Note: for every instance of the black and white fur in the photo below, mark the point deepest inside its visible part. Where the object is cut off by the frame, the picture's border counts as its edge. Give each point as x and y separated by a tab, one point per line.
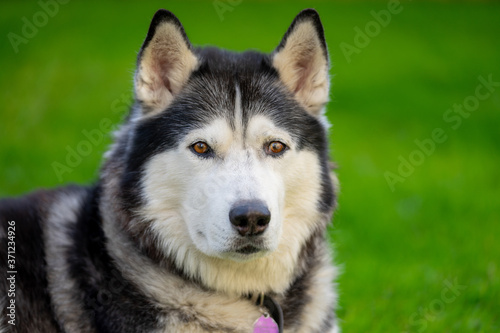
150	247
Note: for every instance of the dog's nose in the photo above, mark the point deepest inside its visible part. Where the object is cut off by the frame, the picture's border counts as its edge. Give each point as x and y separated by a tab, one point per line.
250	218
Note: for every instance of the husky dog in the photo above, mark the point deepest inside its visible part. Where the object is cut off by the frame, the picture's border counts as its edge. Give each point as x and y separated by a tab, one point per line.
211	209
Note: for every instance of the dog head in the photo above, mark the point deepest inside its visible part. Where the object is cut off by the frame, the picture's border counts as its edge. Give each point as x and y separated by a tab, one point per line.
226	154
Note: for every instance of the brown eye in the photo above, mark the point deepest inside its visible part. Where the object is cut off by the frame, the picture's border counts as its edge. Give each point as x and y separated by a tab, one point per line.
200	148
275	147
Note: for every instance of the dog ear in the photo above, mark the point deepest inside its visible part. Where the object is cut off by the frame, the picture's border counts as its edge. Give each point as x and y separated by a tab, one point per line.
164	64
301	60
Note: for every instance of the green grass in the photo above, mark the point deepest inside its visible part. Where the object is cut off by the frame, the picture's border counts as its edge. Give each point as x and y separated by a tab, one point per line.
397	247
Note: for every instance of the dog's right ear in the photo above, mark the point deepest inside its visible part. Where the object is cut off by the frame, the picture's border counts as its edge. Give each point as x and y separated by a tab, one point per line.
164	64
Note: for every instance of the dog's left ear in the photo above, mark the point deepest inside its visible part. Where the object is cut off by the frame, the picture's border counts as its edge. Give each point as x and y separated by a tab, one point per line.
164	64
301	60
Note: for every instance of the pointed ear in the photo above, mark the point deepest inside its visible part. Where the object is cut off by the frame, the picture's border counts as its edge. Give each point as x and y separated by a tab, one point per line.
164	64
301	60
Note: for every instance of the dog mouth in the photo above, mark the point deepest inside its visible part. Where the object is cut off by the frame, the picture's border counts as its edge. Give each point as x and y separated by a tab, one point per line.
249	249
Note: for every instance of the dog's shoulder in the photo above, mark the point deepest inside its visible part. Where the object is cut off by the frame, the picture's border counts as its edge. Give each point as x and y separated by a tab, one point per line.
29	212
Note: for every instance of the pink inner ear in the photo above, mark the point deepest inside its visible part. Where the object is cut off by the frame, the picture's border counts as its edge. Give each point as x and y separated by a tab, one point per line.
162	69
164	75
303	72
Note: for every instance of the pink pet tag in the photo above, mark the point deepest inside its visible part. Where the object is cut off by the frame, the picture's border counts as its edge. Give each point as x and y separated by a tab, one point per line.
265	324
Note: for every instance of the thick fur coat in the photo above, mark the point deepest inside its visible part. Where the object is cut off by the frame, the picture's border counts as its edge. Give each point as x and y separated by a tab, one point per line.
217	189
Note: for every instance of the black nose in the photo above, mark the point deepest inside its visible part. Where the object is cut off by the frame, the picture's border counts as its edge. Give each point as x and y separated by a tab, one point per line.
250	218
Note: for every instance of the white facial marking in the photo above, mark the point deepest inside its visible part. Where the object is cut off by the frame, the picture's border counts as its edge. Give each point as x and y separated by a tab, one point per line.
238	112
189	197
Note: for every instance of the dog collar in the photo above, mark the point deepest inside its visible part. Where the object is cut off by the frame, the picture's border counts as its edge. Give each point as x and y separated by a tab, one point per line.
272	315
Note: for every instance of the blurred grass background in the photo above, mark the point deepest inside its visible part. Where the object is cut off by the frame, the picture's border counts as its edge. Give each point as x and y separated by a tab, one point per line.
398	246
